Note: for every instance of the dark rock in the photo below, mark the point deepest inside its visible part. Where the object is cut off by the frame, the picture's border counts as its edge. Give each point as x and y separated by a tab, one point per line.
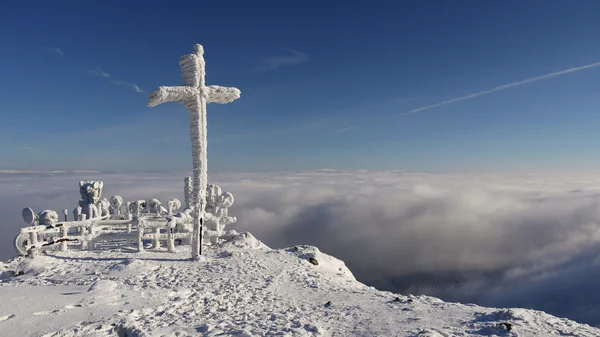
505	325
397	299
328	304
313	261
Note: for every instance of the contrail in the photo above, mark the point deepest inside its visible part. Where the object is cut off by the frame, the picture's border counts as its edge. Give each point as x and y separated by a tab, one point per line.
503	87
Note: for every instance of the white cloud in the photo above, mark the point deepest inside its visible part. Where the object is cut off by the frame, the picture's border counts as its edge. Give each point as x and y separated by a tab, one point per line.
275	62
515	240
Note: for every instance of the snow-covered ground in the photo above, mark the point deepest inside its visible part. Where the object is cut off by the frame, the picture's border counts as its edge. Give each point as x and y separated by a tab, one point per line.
242	288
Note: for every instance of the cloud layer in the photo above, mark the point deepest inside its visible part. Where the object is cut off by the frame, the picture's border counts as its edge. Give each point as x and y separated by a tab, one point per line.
499	240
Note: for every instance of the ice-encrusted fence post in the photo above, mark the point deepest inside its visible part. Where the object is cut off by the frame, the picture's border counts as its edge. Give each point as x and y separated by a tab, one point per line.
170	240
136	211
194	95
64	237
173	205
33	239
140	239
156	242
129	215
77	213
115	203
83	230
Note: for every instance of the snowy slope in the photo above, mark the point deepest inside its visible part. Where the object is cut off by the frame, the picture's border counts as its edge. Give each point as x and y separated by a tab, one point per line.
240	289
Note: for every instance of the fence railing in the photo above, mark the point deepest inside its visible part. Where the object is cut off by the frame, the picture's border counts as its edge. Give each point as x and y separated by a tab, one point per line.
100	222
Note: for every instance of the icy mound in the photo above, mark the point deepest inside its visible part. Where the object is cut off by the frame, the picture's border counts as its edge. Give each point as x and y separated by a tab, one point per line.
245	240
103	286
242	288
34	266
130	267
321	261
5	271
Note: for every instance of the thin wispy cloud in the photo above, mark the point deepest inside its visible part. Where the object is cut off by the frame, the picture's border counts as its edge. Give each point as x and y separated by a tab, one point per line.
348	128
136	88
504	87
54	50
275	62
133	86
98	72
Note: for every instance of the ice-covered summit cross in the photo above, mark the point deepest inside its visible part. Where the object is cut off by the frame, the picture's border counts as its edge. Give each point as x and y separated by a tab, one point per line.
194	94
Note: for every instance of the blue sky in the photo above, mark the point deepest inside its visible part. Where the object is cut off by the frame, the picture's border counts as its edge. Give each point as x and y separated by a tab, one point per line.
324	85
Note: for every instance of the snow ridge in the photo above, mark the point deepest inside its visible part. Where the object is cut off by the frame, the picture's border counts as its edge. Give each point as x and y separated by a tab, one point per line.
240	288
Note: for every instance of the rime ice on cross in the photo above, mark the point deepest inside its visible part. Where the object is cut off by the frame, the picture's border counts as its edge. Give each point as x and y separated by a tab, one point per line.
194	94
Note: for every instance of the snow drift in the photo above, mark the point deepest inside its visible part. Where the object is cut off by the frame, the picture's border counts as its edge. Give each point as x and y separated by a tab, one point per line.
242	288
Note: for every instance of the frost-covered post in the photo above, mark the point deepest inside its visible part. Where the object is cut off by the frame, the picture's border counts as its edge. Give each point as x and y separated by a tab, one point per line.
33	238
77	213
194	95
140	238
136	208
173	205
64	235
170	240
115	203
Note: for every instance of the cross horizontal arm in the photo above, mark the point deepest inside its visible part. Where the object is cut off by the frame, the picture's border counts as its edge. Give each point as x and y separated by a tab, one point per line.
222	95
171	94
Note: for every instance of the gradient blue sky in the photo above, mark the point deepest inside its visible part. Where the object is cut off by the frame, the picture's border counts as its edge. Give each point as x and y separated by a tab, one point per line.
324	84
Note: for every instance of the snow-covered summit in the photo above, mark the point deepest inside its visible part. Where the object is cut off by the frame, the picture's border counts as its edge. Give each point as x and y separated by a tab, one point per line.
241	288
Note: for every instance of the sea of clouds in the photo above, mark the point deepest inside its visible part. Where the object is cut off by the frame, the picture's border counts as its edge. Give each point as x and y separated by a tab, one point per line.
508	240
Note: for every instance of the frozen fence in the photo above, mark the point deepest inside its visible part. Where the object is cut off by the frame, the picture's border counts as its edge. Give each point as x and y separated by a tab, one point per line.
101	224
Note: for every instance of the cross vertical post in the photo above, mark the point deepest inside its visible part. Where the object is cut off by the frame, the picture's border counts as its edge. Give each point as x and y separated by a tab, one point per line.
194	95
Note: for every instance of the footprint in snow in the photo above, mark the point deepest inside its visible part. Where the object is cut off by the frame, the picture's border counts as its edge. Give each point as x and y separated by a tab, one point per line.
40	313
6	317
